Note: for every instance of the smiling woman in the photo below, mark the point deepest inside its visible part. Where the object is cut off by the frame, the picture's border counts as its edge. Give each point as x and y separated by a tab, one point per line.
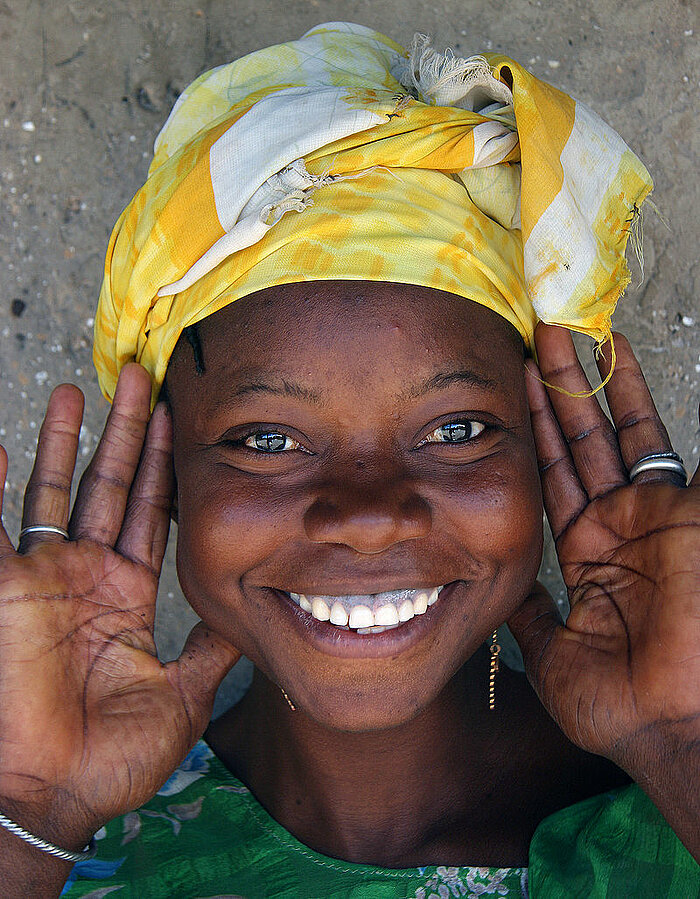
367	499
353	436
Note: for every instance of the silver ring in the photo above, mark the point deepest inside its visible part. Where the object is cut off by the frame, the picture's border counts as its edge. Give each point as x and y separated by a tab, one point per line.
659	462
44	529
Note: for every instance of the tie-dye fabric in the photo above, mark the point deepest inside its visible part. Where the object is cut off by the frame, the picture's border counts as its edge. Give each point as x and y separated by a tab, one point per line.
342	156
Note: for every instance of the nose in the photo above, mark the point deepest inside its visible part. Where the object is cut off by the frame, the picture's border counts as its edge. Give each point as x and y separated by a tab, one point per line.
369	515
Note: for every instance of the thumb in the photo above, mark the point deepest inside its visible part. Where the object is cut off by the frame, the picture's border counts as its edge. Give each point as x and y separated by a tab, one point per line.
534	625
205	660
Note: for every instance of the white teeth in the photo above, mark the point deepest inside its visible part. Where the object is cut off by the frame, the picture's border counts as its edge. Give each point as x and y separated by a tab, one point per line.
361	616
369	614
320	610
302	601
386	615
338	614
420	602
406	610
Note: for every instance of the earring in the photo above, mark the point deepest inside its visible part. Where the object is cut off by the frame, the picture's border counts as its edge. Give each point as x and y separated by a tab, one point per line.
289	701
494	649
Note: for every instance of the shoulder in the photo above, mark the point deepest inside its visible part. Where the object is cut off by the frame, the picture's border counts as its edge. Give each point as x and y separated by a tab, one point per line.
614	844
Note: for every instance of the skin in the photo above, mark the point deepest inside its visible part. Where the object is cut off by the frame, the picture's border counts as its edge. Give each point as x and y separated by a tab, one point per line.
366	505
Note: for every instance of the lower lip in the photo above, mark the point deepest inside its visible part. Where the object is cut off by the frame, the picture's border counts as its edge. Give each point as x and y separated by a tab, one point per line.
348	644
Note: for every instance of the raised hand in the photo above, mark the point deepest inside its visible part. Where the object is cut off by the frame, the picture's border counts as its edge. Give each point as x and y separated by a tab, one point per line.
622	676
91	723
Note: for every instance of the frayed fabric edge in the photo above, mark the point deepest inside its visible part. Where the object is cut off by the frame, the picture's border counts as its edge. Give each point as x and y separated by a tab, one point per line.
449	80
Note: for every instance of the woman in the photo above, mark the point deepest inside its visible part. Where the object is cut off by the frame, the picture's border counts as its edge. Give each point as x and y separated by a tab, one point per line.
356	444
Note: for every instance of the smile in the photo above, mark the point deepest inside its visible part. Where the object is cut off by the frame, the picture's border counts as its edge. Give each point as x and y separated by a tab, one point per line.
370	613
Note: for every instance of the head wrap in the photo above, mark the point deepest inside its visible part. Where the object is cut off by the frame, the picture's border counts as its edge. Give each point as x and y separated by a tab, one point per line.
342	156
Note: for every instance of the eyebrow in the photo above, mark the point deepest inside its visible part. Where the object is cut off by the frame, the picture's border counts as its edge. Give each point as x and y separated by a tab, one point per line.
283	388
446	379
296	391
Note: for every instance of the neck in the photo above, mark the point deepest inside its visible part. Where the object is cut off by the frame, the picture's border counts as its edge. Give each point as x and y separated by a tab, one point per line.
456	785
396	797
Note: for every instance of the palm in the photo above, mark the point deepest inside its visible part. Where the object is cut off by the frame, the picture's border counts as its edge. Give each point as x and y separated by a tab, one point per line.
87	712
626	661
628	658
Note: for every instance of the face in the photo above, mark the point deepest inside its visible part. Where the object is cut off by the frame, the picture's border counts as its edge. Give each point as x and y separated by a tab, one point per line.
349	448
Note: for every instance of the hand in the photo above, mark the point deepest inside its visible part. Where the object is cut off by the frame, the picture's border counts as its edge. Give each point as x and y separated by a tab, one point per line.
91	723
622	676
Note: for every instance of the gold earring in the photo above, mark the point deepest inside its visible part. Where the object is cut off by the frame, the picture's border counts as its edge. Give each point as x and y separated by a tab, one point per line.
494	649
289	701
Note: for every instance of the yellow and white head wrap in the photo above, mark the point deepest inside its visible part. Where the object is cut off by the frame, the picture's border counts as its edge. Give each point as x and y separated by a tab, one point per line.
342	156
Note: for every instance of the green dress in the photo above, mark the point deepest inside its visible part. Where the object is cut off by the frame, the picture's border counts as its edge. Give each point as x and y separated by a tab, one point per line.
204	835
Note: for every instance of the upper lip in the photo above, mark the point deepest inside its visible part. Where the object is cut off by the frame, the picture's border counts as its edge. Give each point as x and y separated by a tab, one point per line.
363	590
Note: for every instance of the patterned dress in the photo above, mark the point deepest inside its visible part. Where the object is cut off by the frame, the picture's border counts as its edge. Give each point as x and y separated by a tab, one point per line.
205	836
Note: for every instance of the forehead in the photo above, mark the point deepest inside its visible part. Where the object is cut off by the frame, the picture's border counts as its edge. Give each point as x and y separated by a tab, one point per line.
330	332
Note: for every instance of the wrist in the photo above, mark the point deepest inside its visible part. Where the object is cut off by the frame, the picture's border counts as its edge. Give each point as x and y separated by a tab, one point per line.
664	761
26	871
50	821
45	845
664	750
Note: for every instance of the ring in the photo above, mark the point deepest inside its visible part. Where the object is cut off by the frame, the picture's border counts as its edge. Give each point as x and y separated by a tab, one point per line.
659	462
44	529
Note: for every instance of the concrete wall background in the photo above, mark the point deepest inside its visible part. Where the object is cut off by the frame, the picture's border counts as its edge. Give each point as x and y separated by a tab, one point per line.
85	86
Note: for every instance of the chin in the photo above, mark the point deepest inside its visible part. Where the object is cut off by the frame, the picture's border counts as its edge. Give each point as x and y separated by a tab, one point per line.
368	709
370	695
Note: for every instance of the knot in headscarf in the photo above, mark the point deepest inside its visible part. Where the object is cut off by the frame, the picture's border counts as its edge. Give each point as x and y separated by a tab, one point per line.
342	156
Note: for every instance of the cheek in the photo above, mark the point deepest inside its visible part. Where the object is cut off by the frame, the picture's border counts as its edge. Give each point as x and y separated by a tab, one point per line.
522	540
232	517
496	514
228	526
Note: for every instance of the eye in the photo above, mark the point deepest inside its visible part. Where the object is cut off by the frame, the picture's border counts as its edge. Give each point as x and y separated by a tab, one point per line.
271	442
454	432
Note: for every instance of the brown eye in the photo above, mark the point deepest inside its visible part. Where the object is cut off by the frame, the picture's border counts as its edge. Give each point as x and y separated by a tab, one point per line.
454	432
271	442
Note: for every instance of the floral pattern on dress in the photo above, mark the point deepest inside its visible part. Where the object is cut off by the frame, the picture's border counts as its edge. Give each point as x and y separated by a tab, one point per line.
176	814
470	883
193	766
93	869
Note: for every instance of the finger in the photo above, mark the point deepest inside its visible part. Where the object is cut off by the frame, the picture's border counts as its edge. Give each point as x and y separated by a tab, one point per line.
6	547
204	662
586	428
534	625
144	535
104	488
640	431
564	497
47	497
